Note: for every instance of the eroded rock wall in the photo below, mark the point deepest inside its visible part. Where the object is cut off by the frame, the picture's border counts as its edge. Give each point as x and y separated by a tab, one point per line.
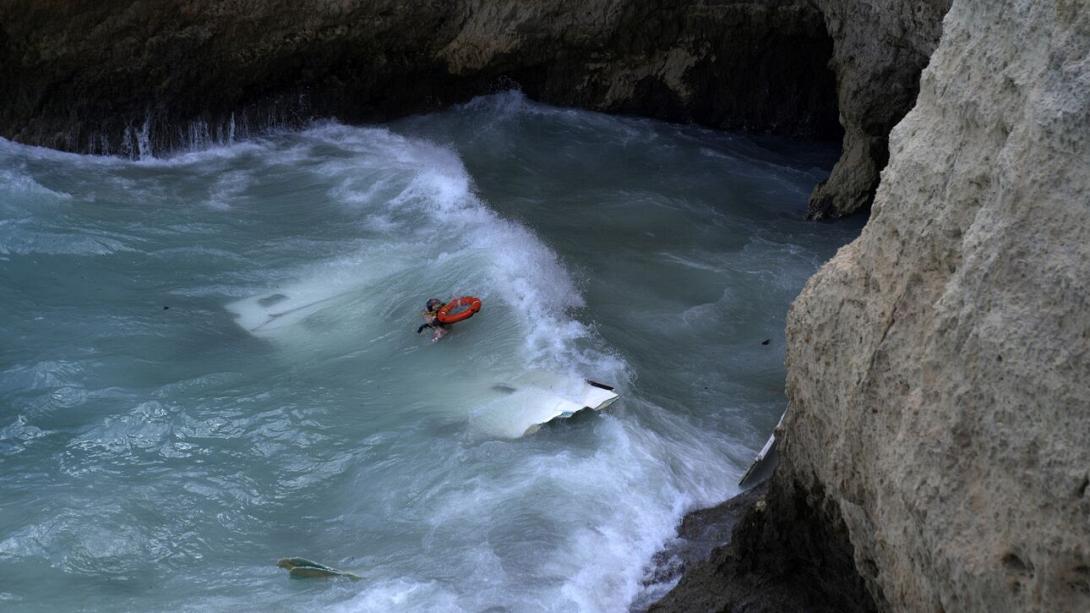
939	366
127	76
880	50
789	551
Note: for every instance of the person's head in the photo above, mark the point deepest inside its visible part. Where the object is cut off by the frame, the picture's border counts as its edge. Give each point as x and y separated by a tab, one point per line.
433	303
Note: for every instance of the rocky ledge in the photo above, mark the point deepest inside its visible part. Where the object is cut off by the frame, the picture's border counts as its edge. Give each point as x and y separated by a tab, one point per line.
784	553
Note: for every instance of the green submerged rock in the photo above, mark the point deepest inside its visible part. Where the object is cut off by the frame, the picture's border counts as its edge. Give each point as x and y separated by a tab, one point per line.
307	569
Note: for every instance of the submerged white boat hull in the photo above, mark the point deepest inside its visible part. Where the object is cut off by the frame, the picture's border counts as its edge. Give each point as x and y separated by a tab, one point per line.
523	407
762	465
263	315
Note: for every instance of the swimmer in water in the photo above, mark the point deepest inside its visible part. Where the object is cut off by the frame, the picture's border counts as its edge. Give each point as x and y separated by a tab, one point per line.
431	317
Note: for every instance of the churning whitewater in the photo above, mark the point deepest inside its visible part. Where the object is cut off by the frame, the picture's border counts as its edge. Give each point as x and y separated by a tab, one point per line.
165	436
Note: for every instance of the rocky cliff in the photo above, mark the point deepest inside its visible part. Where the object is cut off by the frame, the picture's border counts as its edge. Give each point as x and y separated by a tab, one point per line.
129	76
939	366
879	50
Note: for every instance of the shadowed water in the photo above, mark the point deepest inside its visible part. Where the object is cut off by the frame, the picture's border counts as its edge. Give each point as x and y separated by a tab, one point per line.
163	440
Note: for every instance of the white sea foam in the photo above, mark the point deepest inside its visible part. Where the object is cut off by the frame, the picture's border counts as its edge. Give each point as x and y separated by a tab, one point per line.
338	434
421	191
55	243
228	187
18	182
16	436
425	192
402	595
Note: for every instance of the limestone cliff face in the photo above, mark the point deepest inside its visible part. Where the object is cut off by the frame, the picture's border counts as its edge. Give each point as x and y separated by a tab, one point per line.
939	366
880	49
123	76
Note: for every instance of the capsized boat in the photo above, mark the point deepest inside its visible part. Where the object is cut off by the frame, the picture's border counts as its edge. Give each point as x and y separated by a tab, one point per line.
521	407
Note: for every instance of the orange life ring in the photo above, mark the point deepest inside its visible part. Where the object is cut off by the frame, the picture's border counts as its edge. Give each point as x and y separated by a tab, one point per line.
472	304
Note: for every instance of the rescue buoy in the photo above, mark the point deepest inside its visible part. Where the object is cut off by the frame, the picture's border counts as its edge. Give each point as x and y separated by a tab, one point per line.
459	309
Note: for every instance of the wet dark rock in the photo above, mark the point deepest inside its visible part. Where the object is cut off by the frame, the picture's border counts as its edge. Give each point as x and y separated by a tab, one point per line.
701	532
789	551
131	77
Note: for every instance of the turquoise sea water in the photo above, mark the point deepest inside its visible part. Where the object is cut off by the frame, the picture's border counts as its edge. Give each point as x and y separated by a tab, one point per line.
160	452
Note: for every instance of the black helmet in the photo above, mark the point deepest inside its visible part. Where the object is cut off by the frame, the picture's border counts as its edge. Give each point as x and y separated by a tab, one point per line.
433	302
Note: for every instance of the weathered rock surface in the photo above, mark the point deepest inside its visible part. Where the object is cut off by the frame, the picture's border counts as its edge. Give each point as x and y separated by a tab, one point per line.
786	553
124	76
937	452
700	535
939	366
880	49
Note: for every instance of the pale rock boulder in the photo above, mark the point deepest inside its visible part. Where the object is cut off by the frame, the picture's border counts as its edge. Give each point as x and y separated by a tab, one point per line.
939	366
